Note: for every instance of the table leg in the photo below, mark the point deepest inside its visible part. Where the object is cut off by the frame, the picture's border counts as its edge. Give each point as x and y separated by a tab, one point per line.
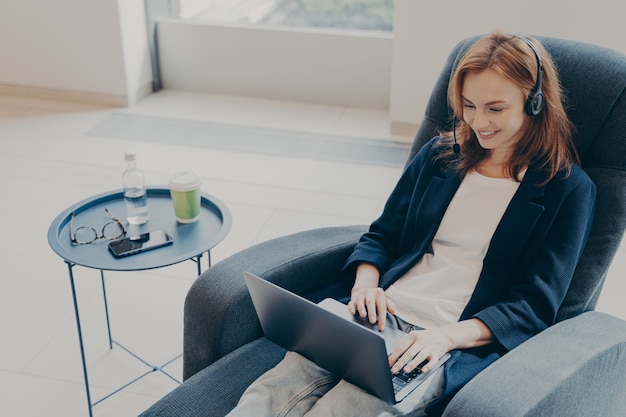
106	309
111	341
198	262
80	337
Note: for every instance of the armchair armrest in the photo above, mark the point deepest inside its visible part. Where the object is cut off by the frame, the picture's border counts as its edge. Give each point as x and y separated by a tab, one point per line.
575	368
219	316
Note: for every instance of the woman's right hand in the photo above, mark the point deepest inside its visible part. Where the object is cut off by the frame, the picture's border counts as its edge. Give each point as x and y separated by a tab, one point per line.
367	298
371	303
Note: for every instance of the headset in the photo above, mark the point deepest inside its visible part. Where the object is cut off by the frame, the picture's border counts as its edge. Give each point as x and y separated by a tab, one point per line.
535	102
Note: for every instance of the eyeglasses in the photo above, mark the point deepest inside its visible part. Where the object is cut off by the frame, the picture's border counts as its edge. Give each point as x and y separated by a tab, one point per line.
85	235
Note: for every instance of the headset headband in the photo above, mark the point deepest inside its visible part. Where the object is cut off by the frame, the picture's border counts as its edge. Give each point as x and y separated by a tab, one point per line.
535	102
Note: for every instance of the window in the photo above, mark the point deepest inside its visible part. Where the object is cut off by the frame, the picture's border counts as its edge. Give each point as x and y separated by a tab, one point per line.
338	14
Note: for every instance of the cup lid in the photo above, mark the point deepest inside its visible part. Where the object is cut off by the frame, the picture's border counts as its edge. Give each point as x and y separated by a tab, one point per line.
184	181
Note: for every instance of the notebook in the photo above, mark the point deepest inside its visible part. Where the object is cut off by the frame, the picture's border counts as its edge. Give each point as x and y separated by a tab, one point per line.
329	336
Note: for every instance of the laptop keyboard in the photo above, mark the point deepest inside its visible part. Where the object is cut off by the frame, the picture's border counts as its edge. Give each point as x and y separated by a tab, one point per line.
400	380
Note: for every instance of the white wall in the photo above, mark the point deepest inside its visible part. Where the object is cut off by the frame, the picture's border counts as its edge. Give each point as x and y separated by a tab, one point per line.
89	50
426	31
344	68
136	49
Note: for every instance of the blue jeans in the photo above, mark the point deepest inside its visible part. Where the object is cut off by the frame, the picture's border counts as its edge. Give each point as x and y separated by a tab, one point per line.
298	387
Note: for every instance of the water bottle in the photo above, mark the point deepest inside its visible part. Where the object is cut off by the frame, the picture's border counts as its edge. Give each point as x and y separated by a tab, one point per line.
134	191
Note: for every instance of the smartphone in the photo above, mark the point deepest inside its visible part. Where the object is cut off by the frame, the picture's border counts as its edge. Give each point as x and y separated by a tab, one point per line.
139	243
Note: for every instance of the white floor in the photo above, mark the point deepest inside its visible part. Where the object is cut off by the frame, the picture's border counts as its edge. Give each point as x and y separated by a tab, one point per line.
47	162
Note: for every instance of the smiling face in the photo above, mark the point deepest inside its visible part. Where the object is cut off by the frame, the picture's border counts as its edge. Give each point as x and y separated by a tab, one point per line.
494	108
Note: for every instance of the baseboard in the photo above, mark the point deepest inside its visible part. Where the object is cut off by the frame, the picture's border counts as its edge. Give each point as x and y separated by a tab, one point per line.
75	96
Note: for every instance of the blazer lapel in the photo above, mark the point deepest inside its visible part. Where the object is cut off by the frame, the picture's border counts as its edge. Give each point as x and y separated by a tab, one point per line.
433	206
517	223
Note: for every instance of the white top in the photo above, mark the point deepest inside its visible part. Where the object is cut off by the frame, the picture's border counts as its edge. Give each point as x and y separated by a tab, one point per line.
437	289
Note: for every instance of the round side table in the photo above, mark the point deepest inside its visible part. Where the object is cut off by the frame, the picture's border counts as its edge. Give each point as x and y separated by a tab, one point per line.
191	241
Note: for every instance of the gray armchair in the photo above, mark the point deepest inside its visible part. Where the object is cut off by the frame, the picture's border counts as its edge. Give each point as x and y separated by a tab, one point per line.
575	368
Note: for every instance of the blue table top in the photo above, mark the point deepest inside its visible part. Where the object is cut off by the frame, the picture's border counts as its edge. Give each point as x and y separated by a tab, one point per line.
190	240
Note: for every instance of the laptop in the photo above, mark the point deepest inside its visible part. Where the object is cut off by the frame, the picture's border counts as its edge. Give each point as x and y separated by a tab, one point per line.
328	335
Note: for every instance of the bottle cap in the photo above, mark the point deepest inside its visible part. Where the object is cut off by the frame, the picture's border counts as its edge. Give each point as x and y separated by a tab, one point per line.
130	156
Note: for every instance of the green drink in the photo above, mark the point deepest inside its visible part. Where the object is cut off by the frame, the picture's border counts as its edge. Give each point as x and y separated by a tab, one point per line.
185	193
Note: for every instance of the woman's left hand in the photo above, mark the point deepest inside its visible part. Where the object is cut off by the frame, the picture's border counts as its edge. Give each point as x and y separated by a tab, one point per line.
427	346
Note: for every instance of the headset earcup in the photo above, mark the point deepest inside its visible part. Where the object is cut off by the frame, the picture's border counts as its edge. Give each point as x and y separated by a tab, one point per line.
535	103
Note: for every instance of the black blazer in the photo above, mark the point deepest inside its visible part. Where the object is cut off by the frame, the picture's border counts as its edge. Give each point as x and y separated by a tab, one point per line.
529	263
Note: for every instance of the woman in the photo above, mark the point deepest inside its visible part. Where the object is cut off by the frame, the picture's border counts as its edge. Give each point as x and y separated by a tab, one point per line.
476	247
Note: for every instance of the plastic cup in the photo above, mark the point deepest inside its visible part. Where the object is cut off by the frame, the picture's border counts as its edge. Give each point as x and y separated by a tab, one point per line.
185	193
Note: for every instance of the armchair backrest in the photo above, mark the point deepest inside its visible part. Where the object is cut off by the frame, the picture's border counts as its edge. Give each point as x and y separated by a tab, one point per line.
594	82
